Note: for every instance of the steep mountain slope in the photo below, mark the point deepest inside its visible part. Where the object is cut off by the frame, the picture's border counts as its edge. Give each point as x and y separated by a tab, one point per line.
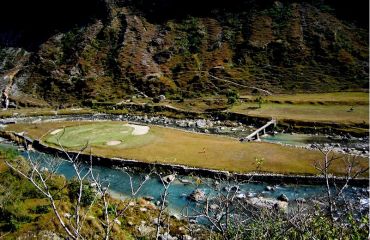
115	49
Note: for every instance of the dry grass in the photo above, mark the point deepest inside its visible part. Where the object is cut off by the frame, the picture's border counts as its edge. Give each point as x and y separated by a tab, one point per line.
307	112
43	112
204	151
347	98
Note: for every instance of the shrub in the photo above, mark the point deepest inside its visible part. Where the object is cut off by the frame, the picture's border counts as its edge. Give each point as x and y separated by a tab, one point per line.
41	209
88	194
232	96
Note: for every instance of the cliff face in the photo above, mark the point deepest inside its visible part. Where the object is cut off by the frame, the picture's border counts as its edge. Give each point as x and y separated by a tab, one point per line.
111	50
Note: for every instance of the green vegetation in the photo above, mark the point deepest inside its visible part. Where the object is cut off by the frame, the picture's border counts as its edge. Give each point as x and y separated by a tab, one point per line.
27	214
98	134
260	100
29	112
205	151
194	32
275	225
232	97
265	45
87	192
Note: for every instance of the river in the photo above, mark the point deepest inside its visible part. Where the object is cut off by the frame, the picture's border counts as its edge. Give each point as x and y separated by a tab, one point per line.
119	184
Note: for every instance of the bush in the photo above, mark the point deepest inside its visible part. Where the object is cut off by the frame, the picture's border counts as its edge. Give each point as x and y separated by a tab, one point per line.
232	96
9	153
13	225
259	100
88	194
12	219
317	225
41	209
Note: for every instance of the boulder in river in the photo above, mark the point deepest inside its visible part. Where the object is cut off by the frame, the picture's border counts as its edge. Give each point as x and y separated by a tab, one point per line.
169	178
214	206
201	123
283	198
185	181
268	203
269	188
282	206
300	200
197	196
240	196
166	236
148	198
186	237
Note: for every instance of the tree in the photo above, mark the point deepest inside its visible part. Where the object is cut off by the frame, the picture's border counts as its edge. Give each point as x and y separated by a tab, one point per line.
87	191
232	215
334	191
260	100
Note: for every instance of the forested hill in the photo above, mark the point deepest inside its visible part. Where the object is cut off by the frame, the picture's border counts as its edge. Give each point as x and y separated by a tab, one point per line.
75	51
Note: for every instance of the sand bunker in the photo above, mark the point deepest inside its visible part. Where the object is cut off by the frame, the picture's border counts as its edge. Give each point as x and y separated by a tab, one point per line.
113	143
138	129
56	131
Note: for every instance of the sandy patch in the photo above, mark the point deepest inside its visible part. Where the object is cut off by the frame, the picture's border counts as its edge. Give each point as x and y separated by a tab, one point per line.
138	129
113	143
56	131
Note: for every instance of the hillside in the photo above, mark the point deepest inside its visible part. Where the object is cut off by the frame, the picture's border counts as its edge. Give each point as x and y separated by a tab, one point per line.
111	50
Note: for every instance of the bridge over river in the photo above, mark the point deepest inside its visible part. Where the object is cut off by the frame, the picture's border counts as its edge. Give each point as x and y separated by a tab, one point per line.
256	134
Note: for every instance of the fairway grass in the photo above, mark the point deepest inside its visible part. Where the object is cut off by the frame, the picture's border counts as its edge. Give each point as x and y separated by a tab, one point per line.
171	146
99	134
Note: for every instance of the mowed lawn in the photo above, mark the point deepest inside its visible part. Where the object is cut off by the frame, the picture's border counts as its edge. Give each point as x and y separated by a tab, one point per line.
97	134
172	146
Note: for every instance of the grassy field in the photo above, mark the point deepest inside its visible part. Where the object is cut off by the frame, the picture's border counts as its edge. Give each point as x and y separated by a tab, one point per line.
22	112
307	112
339	107
178	147
346	98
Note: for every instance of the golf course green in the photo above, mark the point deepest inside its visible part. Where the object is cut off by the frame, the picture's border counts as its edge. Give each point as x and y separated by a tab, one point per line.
119	135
